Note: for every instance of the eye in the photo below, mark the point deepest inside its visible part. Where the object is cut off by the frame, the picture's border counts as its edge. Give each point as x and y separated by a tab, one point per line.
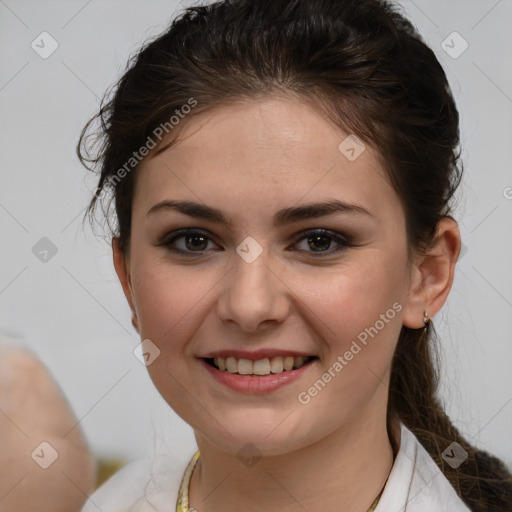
193	241
320	240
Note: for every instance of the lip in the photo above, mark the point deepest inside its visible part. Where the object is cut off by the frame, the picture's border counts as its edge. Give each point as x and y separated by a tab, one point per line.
256	384
255	355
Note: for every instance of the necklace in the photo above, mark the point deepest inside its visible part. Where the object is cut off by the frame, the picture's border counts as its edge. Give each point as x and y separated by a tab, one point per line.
183	503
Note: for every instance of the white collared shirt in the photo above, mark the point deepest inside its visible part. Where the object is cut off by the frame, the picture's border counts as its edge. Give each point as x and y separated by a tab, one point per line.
415	484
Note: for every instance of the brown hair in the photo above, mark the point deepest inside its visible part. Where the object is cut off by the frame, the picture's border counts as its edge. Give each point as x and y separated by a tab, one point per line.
368	69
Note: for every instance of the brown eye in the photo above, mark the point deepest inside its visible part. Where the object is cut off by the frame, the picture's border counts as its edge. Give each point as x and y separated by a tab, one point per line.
191	241
196	242
319	241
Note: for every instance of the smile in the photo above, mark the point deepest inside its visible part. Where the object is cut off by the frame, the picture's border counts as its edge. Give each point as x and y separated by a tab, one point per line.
266	366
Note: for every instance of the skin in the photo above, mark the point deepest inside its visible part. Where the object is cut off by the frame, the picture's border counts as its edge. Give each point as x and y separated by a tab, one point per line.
251	159
33	411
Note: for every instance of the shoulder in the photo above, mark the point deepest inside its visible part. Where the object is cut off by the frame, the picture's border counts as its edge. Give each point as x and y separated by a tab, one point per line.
416	483
145	485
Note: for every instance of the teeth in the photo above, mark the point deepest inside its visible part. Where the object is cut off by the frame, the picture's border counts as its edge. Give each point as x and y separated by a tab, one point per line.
299	361
288	363
231	365
261	367
276	365
244	366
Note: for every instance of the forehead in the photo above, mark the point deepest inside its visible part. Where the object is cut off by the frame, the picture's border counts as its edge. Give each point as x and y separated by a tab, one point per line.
263	152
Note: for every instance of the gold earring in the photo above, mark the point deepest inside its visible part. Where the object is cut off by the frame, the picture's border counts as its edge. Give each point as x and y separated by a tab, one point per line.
426	319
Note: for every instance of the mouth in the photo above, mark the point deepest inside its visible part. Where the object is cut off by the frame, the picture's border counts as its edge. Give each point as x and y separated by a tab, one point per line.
260	367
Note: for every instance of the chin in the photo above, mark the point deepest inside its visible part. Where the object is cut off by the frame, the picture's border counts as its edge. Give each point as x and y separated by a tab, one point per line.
259	434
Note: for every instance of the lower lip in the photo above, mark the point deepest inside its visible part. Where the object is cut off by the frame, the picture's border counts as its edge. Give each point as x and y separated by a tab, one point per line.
256	384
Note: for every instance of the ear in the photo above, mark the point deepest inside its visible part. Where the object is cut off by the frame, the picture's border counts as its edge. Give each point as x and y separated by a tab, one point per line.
432	275
122	264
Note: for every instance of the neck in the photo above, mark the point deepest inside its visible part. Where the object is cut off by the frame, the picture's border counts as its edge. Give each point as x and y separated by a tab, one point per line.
344	471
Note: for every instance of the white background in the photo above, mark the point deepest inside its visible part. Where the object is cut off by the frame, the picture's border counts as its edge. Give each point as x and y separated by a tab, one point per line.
71	310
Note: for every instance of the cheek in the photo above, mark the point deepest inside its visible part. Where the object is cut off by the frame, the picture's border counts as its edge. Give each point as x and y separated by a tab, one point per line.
168	299
357	309
359	320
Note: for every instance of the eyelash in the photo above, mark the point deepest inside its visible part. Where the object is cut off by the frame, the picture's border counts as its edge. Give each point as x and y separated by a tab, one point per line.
342	241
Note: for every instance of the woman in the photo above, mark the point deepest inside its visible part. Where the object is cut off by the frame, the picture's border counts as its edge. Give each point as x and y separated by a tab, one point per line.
282	175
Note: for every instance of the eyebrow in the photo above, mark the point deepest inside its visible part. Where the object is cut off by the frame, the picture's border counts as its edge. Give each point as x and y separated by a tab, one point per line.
282	217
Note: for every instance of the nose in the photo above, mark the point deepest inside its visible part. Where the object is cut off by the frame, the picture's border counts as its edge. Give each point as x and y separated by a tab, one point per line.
254	293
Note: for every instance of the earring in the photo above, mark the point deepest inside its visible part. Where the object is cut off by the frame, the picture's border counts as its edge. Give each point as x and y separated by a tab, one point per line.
426	319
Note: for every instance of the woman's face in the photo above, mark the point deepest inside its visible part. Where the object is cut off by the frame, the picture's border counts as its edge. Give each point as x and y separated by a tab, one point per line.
263	286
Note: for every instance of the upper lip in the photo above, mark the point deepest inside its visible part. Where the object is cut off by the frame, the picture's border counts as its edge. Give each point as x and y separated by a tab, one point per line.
255	355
